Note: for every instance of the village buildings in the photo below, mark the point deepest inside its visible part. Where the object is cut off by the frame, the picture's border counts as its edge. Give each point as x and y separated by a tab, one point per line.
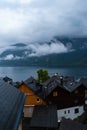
63	97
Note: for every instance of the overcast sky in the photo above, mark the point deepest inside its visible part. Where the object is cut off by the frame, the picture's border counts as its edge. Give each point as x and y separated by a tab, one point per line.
40	20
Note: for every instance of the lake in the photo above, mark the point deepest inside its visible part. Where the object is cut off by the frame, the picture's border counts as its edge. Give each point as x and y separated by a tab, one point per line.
22	73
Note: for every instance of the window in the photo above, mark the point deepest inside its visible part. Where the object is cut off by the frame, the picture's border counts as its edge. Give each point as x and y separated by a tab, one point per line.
64	112
68	111
38	99
76	91
76	110
55	94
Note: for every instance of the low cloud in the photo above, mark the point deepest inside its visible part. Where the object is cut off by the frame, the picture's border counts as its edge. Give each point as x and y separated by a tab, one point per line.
45	49
9	57
37	49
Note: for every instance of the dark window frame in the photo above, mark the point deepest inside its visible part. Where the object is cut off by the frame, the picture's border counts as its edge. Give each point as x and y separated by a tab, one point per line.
76	110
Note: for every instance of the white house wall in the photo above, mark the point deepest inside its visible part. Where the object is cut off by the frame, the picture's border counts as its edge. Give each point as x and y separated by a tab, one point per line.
70	112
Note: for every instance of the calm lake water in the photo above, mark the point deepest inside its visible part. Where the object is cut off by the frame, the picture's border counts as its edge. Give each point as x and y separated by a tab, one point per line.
22	73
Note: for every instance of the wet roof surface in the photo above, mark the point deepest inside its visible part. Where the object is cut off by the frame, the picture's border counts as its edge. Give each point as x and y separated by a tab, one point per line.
44	116
11	105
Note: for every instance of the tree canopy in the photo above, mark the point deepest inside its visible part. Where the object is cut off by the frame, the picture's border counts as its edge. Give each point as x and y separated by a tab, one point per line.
42	75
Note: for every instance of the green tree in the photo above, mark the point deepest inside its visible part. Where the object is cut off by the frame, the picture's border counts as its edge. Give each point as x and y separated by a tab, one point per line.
42	75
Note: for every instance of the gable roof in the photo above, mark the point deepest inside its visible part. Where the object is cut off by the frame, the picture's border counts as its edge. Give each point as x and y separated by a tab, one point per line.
31	83
67	124
11	106
71	86
44	116
67	83
34	86
50	85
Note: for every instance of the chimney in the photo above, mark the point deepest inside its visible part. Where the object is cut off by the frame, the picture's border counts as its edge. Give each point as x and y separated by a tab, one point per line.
56	74
61	80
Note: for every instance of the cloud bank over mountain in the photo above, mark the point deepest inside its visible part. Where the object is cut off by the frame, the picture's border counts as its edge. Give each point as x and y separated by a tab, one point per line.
32	50
40	20
45	49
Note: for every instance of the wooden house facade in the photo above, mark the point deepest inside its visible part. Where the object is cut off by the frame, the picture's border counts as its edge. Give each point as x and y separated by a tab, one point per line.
33	97
63	98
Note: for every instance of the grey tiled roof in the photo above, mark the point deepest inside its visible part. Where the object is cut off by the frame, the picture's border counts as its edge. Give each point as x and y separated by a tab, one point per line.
44	116
11	105
31	83
50	85
71	86
34	86
71	125
68	83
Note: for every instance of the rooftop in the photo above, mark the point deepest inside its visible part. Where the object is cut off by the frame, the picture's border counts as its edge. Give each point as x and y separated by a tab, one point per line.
11	106
34	86
67	124
67	83
44	116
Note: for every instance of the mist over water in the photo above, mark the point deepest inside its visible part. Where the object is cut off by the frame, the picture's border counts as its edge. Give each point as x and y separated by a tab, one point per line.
22	73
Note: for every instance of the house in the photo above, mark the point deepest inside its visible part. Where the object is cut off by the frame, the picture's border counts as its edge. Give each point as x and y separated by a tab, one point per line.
67	94
11	107
34	95
68	124
44	117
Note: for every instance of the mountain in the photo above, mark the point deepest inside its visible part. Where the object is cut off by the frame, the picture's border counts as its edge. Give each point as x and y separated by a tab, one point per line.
59	52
